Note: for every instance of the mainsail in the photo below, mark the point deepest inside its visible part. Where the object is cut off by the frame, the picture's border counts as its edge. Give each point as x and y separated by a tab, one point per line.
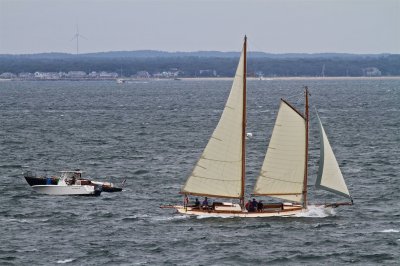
282	173
329	177
219	169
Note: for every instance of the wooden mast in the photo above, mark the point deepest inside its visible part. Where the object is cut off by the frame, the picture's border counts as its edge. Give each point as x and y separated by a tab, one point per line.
306	155
244	123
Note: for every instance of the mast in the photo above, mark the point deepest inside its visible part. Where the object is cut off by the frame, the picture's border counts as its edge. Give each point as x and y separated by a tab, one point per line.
306	154
244	122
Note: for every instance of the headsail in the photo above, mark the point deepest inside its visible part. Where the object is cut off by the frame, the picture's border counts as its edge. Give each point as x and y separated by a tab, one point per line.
219	169
282	173
329	177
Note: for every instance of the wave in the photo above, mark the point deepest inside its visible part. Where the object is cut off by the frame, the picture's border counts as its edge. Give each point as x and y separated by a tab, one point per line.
317	212
140	172
27	250
390	231
65	261
170	218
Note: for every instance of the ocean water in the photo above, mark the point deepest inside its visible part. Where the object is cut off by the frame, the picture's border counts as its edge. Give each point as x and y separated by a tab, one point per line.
152	133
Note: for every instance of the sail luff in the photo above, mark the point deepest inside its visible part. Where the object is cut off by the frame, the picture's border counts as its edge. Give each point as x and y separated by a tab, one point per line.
329	176
244	121
306	152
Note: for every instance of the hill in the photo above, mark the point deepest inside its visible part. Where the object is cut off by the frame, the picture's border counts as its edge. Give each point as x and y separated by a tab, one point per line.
207	63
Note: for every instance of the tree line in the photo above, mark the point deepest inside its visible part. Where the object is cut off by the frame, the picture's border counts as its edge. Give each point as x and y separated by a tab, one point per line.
192	66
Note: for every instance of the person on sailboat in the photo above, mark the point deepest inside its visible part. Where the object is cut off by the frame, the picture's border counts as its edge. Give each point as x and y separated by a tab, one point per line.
204	205
255	204
250	207
260	206
196	204
186	200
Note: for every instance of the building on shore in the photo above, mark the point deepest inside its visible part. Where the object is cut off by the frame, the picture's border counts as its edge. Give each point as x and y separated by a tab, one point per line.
7	75
372	72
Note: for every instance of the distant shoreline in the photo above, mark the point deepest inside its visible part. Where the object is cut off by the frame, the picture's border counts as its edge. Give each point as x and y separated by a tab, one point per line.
216	79
295	78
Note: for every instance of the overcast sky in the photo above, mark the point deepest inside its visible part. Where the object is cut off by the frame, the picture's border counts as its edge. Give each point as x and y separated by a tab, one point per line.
274	26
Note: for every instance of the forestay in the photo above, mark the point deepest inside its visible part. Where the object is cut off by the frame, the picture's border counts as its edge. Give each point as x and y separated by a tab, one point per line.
329	177
282	173
219	169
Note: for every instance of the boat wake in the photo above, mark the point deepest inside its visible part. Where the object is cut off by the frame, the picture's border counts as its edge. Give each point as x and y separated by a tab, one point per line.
317	212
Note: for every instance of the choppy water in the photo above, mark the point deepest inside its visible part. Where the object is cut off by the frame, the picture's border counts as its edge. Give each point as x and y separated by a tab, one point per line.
152	134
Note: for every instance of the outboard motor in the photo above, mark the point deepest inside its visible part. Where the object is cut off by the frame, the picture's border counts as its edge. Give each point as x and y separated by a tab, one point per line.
97	189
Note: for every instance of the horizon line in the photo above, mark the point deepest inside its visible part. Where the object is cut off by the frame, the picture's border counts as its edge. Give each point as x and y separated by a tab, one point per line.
198	51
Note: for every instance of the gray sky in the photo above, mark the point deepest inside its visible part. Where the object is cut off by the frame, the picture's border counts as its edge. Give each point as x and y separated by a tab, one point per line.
275	26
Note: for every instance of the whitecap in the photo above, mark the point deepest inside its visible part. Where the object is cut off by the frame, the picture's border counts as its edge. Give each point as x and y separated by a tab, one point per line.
27	250
170	218
390	231
317	212
353	170
18	220
65	261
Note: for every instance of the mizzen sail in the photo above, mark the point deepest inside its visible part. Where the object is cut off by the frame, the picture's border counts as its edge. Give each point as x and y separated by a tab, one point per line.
219	169
329	176
282	173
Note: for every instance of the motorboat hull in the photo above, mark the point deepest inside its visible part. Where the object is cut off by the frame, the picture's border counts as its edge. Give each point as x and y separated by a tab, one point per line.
74	190
34	181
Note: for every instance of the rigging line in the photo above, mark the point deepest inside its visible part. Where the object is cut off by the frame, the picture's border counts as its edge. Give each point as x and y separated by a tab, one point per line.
313	118
298	95
297	98
255	45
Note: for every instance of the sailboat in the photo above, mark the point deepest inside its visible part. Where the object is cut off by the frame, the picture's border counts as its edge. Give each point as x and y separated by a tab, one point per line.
220	171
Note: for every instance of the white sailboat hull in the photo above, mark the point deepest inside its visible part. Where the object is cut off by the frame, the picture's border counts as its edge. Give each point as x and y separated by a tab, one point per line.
66	190
288	211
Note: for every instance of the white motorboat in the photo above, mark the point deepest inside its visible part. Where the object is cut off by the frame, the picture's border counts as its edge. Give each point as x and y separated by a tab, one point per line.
34	180
69	185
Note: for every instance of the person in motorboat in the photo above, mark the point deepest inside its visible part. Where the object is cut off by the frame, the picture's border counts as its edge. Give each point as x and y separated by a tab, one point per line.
77	175
70	180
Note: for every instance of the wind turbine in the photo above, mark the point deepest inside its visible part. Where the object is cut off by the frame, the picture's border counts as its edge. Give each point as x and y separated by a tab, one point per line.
77	36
